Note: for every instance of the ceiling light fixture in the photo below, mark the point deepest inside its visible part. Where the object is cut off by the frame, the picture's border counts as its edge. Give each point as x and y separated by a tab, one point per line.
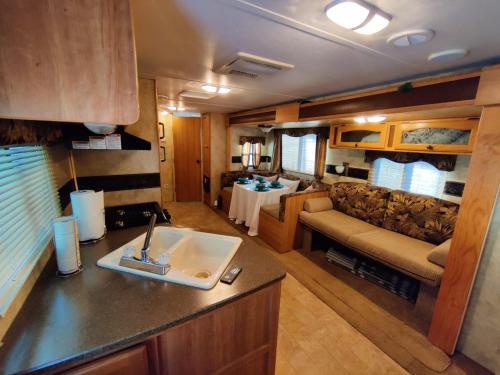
164	112
172	107
376	118
357	15
360	119
180	109
209	88
448	55
223	90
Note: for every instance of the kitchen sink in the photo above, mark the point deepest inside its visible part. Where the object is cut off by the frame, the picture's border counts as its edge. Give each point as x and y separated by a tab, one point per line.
196	259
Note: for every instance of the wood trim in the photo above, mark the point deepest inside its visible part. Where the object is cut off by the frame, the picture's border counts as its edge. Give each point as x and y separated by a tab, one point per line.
269	116
288	112
471	228
229	143
488	92
456	92
286	235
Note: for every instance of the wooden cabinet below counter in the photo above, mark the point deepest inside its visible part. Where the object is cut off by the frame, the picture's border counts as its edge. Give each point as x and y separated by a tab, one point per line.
237	338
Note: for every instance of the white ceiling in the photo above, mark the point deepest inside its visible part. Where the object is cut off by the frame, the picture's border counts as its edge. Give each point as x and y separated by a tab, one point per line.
180	41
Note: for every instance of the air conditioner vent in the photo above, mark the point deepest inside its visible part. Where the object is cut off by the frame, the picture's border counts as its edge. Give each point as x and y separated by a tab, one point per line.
252	66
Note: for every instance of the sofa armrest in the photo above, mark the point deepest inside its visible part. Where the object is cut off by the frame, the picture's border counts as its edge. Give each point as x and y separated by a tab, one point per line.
295	202
439	254
318	204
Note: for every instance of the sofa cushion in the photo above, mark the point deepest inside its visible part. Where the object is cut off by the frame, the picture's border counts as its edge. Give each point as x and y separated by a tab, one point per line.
335	224
359	200
291	185
399	251
318	204
439	254
272	209
419	216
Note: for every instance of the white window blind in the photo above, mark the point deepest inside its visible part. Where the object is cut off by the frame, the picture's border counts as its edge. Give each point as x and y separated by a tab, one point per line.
28	203
298	153
419	177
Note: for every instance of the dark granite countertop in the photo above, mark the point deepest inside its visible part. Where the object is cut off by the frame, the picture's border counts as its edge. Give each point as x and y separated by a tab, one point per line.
65	321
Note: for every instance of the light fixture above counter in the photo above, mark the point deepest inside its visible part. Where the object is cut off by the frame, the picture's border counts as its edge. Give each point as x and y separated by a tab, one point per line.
357	15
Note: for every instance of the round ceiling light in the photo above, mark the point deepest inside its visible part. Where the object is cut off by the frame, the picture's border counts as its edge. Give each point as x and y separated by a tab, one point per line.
448	55
411	37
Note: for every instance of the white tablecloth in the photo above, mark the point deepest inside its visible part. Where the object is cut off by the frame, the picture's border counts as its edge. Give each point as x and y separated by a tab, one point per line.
246	203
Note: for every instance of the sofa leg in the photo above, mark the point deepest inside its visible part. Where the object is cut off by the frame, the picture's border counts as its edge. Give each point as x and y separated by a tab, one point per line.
306	238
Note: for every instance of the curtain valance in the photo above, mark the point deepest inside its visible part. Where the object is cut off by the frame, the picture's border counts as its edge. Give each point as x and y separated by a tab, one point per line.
251	139
441	162
300	132
18	132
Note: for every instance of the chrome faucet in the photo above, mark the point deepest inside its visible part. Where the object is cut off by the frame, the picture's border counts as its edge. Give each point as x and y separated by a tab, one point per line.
147	240
145	262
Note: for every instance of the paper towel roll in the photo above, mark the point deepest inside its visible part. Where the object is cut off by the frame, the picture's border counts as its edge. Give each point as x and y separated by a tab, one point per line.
66	244
88	210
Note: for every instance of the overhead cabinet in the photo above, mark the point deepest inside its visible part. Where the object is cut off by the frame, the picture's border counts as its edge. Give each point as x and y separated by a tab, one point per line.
71	61
454	135
362	136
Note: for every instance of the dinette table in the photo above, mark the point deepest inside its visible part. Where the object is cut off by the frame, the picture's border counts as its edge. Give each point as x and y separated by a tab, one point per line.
246	203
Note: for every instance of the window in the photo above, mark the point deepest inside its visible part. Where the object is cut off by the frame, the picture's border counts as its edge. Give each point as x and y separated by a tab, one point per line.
298	153
251	154
29	202
419	177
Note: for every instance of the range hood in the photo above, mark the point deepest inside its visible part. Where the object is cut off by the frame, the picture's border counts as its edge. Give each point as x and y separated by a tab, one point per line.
78	134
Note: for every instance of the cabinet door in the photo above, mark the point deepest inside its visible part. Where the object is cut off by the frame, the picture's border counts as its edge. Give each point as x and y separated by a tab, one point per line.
133	361
70	61
453	136
362	136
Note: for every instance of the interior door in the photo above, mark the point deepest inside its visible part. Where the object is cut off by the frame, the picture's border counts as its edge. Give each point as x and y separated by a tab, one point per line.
187	158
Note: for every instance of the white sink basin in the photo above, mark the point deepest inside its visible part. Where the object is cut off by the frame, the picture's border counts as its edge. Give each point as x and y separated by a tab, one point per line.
197	259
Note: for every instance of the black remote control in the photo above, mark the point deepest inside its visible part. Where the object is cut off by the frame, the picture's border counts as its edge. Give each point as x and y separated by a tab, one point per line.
230	274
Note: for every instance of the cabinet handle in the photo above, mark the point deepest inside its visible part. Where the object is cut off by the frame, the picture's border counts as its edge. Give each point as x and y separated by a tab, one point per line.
430	147
164	154
355	145
162	136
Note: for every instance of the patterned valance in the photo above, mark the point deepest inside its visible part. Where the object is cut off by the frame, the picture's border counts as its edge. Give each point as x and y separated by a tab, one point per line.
441	162
18	132
251	139
300	132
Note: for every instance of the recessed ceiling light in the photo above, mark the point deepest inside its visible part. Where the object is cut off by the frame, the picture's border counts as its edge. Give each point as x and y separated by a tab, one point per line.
360	119
374	25
448	55
357	15
223	90
172	107
410	37
376	118
180	109
209	88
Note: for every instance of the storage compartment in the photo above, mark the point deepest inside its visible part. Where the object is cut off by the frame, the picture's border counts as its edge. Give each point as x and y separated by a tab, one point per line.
362	136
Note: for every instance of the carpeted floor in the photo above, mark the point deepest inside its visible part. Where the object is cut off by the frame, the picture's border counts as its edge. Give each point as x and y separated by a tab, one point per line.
404	343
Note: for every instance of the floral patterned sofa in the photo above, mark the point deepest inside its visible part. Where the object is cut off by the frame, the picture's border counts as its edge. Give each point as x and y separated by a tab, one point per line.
406	231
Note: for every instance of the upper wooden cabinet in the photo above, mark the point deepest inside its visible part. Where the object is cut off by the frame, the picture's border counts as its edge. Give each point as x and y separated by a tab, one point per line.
67	60
451	135
362	136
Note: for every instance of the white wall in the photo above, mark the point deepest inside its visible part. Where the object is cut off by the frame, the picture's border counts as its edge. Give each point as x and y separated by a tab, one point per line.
480	336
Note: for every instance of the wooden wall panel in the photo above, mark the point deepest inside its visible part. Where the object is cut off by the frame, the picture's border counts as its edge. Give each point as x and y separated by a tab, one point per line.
65	60
470	232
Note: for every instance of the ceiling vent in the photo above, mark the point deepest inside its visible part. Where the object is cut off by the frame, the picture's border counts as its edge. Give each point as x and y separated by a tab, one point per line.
252	66
265	128
410	38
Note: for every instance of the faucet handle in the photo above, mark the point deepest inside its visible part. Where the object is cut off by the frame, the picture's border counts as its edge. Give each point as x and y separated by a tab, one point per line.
164	259
128	251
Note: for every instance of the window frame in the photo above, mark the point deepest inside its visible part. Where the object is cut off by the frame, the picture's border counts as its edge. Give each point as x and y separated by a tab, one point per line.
300	154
